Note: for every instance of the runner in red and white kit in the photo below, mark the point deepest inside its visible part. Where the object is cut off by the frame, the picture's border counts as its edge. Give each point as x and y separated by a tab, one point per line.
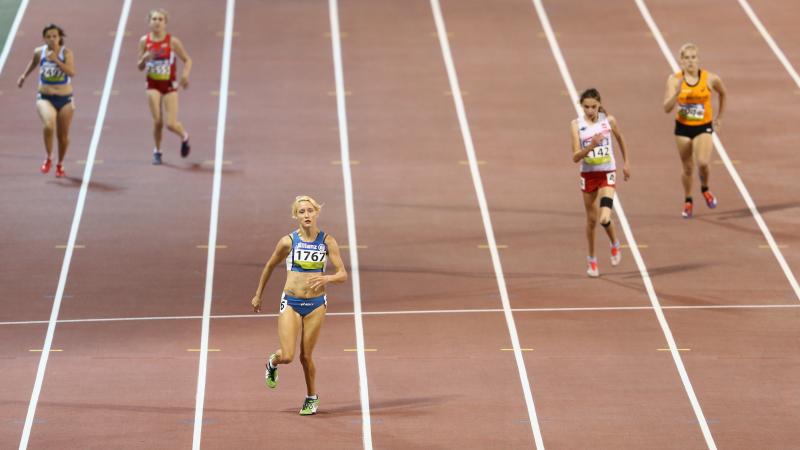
157	51
593	148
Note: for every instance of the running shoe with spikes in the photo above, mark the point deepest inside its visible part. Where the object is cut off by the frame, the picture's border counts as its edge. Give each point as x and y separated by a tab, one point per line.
185	148
687	210
60	171
711	201
616	255
271	375
310	406
46	165
593	271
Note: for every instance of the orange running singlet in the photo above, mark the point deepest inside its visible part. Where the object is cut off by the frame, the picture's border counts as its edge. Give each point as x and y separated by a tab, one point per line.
694	101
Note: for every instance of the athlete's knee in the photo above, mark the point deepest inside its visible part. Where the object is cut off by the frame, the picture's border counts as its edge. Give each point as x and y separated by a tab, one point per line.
49	126
158	124
591	222
63	139
174	126
305	359
688	168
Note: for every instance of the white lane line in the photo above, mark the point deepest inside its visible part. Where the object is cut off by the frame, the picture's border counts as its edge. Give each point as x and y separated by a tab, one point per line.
469	147
12	33
634	248
76	222
222	114
412	311
344	141
723	154
765	34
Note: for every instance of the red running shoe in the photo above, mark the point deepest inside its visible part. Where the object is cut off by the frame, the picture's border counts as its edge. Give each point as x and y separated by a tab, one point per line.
687	210
60	171
46	165
711	201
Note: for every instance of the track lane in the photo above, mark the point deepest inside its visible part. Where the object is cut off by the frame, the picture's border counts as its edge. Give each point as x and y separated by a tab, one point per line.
282	141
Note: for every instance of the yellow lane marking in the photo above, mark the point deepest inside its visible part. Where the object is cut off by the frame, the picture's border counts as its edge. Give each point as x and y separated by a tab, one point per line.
41	350
346	93
487	246
211	162
366	349
638	245
217	246
466	163
767	246
719	161
222	34
342	34
463	93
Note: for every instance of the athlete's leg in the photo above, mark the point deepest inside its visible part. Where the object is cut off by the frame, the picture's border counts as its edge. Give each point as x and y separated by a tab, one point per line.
289	323
47	112
154	102
171	115
702	146
589	203
312	324
605	213
685	151
64	119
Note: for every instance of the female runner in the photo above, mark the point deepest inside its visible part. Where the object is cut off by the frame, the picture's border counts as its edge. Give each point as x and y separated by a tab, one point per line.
304	302
690	89
592	147
157	50
54	99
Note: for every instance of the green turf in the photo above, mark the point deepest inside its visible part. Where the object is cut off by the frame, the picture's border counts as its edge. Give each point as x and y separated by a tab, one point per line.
8	11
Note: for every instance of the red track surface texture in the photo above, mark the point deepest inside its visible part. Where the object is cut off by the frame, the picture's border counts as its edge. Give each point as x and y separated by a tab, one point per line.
438	367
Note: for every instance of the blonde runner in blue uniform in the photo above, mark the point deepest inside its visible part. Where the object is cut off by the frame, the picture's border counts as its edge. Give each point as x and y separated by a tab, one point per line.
303	305
54	98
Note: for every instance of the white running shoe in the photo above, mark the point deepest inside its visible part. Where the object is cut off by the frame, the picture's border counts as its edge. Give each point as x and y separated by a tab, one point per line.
616	255
593	271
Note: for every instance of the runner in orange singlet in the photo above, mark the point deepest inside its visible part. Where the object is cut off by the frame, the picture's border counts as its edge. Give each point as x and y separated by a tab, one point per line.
690	89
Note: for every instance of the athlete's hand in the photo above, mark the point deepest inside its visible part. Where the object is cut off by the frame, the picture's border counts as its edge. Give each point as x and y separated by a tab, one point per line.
51	56
316	282
626	171
20	80
147	56
597	139
256	302
184	82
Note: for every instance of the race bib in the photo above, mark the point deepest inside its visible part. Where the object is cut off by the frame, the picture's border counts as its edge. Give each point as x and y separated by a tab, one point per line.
692	111
283	305
51	73
599	155
611	178
583	184
158	69
310	259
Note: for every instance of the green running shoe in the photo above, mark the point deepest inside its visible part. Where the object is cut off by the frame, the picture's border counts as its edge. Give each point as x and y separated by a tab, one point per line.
271	376
309	406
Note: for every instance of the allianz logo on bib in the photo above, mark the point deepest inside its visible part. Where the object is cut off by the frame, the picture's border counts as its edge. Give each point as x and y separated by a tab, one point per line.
306	246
